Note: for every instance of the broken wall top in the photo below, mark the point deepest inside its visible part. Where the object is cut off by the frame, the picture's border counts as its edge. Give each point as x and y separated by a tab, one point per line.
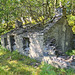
34	28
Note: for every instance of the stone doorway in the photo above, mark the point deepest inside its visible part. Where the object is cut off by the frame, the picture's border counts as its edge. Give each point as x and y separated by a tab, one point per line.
12	41
5	42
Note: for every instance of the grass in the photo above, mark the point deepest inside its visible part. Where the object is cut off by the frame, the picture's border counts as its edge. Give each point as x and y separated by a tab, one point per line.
50	70
17	64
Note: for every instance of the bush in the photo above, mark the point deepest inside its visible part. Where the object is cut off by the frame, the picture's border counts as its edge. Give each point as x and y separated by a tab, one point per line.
70	52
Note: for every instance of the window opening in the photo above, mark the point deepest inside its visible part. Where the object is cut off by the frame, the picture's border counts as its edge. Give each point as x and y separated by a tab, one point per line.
26	43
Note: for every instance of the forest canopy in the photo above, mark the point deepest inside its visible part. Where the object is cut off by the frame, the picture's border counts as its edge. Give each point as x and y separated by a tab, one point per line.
33	12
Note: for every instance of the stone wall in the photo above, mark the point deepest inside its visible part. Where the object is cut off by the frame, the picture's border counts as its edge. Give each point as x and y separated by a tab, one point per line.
2	40
7	36
62	33
35	45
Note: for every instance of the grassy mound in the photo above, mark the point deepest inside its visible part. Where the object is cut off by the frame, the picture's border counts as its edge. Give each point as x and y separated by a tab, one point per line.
17	64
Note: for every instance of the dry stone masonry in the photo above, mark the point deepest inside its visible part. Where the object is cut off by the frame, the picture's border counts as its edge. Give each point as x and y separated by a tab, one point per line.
44	44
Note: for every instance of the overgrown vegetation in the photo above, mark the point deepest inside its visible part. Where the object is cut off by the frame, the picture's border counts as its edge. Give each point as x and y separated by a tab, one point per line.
17	64
70	52
50	70
31	12
71	21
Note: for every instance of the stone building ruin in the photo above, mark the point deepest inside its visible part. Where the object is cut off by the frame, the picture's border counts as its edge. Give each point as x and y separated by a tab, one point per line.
34	41
41	43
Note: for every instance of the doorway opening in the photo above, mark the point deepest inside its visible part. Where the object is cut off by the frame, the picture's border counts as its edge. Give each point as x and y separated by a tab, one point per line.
5	42
12	41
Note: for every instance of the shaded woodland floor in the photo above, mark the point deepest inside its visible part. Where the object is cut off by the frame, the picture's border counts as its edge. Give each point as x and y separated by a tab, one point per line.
17	64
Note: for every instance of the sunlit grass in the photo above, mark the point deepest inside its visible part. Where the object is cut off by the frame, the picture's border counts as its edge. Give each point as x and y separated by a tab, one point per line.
14	61
1	53
17	64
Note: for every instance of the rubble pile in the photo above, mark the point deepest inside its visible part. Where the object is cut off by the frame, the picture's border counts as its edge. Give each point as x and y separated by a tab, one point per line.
64	62
61	61
58	59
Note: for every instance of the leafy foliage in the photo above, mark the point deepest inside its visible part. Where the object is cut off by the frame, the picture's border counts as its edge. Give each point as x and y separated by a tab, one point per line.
70	52
71	21
31	10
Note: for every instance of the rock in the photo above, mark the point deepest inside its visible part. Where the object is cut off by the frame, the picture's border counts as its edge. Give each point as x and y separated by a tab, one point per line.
21	59
70	59
35	64
32	63
18	24
73	63
61	62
